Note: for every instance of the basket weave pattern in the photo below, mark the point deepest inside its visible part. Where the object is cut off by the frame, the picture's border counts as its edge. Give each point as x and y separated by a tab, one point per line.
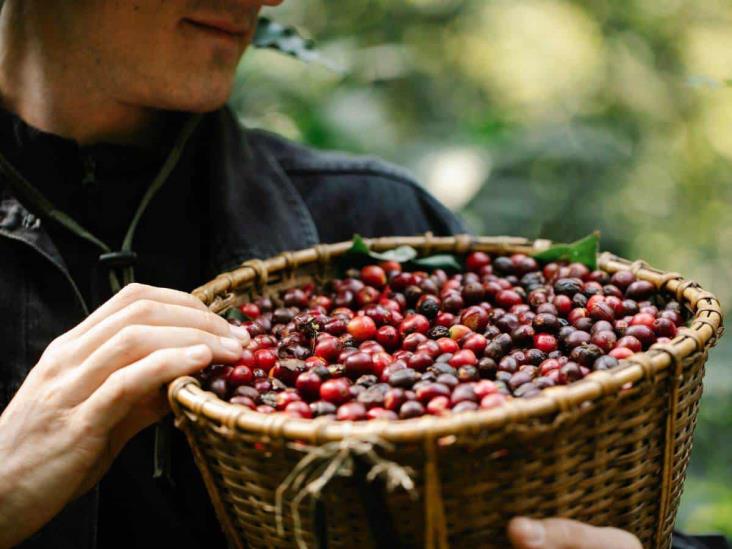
611	449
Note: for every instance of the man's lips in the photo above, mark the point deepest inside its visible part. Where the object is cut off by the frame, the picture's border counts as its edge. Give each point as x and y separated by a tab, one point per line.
222	27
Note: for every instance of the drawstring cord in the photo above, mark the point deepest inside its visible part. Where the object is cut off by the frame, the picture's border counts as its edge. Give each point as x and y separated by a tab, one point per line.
120	262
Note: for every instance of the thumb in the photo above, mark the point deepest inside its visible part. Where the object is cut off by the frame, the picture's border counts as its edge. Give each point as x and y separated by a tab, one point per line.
557	533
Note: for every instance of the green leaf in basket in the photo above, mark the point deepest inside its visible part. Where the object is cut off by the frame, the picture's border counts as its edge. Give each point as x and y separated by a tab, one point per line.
447	262
359	255
402	254
583	251
235	314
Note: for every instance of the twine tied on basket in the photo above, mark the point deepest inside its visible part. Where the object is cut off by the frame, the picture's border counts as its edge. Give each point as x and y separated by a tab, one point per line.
323	463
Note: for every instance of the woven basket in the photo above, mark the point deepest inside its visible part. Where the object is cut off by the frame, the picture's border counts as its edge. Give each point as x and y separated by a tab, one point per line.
611	449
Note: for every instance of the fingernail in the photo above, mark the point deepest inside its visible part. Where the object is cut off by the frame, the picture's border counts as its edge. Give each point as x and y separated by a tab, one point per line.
531	531
240	333
198	354
231	345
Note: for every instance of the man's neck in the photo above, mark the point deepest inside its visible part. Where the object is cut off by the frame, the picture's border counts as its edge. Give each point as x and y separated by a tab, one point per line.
51	88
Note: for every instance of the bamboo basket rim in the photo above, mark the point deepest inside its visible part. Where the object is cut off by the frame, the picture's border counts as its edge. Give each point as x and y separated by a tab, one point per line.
705	328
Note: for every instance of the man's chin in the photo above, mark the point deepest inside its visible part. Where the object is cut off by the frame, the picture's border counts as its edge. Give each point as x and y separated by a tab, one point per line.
206	97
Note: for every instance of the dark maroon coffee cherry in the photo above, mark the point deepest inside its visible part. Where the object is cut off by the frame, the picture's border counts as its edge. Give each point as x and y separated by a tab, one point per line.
569	372
442	368
576	338
308	385
527	390
448	379
428	305
468	373
605	362
411	409
630	307
642	333
473	292
503	265
464	391
543	382
464	406
567	286
586	354
640	290
487	368
437	332
546	322
508	364
523	336
507	323
535	357
518	379
404	378
605	340
664	327
322	408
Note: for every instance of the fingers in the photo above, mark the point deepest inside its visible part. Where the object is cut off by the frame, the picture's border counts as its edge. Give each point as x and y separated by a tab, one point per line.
133	343
128	295
126	387
558	533
151	313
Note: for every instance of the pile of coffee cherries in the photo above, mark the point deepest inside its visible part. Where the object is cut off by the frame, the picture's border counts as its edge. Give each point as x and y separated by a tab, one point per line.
383	343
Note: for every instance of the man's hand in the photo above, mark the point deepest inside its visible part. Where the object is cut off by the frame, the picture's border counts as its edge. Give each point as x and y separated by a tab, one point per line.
93	389
557	533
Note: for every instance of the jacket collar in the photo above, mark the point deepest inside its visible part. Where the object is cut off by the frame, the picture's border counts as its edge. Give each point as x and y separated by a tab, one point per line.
255	210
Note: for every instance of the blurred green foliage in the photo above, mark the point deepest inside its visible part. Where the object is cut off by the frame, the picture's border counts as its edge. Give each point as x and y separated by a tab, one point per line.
543	118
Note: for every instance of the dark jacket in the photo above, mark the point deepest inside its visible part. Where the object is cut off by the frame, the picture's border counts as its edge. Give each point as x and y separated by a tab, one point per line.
266	195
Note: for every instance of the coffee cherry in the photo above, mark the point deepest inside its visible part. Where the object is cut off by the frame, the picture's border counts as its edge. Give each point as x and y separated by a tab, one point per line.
545	342
567	286
265	359
492	401
462	358
240	375
361	328
642	333
322	408
351	411
475	318
605	340
576	338
308	384
664	327
463	392
620	353
414	323
465	406
243	401
298	409
468	373
546	322
508	298
373	275
639	290
335	391
428	306
404	378
411	409
475	261
358	364
605	363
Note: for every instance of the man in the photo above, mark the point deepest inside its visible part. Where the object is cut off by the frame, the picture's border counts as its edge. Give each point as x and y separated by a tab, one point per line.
93	126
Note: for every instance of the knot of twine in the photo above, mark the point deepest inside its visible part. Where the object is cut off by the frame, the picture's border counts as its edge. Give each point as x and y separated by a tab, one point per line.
321	464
